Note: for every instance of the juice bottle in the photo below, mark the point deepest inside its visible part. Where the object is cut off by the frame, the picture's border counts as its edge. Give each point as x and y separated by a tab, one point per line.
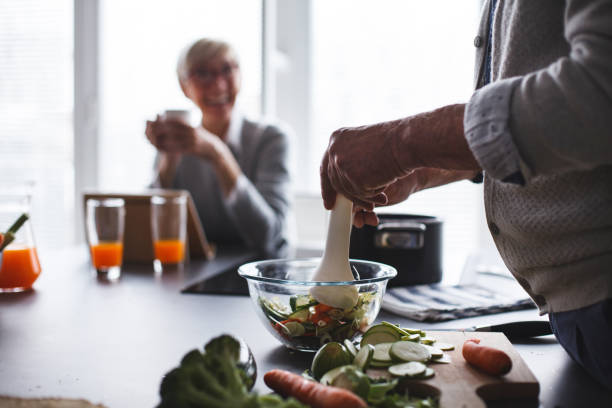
20	268
19	264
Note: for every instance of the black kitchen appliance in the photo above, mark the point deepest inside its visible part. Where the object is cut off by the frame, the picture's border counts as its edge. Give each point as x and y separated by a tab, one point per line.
410	243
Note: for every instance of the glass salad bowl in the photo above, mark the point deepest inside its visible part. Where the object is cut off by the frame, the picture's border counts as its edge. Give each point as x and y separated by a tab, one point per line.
280	290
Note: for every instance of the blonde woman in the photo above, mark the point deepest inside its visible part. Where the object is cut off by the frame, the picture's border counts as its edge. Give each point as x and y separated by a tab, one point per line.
236	169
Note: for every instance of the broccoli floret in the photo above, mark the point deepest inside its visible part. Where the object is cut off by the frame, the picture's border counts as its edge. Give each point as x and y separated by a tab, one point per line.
218	378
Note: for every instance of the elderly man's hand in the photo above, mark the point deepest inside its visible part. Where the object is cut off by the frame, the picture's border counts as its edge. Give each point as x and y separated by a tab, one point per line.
365	163
401	189
359	163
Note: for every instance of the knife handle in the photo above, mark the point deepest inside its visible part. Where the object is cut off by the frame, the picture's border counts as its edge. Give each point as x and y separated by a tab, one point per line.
521	330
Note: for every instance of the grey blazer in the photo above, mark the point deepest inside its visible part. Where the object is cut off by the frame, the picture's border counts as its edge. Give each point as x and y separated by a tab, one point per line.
256	213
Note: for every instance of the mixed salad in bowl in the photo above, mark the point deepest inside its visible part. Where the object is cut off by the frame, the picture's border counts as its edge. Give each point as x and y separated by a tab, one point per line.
281	293
306	324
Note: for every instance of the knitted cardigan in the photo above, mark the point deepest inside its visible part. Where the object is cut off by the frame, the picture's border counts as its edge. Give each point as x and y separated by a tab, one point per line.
547	115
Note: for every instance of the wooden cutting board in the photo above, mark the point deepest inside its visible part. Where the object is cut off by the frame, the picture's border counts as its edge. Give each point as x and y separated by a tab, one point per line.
460	385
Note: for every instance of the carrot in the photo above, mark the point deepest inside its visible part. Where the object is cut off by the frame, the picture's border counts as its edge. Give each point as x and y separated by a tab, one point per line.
490	360
1	238
310	392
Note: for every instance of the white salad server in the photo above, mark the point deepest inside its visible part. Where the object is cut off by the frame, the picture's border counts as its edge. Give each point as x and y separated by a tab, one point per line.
335	265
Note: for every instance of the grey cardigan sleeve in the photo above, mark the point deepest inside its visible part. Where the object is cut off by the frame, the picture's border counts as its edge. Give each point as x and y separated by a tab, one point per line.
260	205
556	119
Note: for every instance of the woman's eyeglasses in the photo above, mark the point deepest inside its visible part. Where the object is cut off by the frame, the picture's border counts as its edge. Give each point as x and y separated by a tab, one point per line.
207	76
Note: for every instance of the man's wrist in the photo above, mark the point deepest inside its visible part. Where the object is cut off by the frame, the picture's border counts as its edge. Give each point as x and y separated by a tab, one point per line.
435	139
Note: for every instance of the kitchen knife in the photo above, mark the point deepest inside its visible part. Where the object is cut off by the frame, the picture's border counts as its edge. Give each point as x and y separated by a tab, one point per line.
512	330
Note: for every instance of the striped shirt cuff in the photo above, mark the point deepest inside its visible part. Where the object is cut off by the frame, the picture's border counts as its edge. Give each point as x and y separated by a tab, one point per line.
487	130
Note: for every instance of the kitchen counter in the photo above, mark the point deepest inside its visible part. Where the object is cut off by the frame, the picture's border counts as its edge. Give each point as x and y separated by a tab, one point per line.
78	337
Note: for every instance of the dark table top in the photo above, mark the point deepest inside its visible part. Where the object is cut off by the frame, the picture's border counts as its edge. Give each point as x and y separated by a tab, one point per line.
76	336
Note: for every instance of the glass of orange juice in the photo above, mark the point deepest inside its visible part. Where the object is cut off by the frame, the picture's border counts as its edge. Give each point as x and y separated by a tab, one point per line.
19	264
105	221
169	230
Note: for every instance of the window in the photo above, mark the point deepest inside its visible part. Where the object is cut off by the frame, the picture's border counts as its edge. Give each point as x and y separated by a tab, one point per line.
377	61
328	64
36	101
140	43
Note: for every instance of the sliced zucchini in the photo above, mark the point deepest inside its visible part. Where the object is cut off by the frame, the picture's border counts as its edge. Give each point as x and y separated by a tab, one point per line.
271	312
428	340
380	334
350	347
330	356
410	369
380	364
445	359
301	315
412	331
378	327
342	331
395	327
429	372
381	352
415	337
329	376
409	351
445	346
364	357
293	329
378	390
434	351
298	302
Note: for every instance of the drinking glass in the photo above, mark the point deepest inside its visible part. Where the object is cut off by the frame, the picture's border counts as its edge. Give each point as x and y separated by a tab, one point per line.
19	264
105	225
169	230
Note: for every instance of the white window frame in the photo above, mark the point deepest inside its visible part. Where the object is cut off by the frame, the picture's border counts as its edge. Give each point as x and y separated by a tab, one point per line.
86	103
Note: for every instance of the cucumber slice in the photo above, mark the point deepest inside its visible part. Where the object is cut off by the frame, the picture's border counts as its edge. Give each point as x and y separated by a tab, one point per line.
293	302
378	390
381	352
409	351
293	329
350	347
410	369
329	376
434	351
301	315
412	331
445	346
380	364
364	357
380	334
395	327
429	372
298	302
378	327
270	312
445	359
330	356
415	337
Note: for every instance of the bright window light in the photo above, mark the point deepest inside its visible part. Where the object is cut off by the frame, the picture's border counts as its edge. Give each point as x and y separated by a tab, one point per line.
383	60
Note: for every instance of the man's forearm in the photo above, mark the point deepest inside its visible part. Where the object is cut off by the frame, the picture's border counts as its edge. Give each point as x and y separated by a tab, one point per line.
435	139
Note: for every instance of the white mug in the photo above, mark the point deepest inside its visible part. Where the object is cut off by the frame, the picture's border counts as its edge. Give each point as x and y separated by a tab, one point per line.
181	115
